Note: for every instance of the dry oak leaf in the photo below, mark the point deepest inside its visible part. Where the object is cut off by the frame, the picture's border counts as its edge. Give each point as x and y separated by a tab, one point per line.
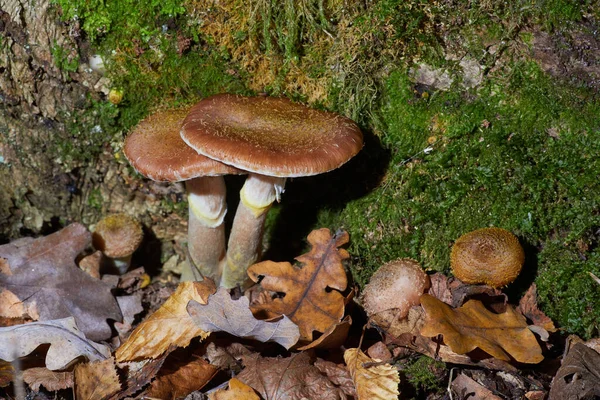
178	380
579	375
96	380
237	391
291	378
529	308
312	298
372	379
472	325
223	314
6	373
169	325
226	357
42	272
333	337
467	388
51	380
138	374
66	342
338	374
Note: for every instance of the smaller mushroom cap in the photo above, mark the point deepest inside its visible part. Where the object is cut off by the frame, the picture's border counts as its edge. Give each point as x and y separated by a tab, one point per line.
491	256
396	287
270	136
117	235
155	149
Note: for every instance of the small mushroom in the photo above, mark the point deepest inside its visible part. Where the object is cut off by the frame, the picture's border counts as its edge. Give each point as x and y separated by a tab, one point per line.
155	149
272	139
118	236
491	256
394	288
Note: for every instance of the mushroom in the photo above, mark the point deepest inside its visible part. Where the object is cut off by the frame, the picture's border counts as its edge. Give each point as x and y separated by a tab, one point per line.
394	288
492	256
155	149
118	236
273	139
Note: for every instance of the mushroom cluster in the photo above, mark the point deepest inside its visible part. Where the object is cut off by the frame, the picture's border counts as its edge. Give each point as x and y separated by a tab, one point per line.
270	139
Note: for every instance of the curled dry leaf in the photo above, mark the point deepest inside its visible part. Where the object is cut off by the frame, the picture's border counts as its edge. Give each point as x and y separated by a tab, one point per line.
223	314
372	380
237	391
180	379
528	306
312	292
42	272
139	374
96	380
292	378
467	388
333	337
579	375
338	374
66	341
472	325
226	357
51	380
169	325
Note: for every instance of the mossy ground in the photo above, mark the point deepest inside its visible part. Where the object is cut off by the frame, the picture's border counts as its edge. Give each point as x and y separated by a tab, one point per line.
518	151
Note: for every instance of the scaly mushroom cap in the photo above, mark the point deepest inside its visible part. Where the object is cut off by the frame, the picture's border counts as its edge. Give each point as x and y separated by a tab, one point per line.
117	235
395	287
492	256
155	149
270	136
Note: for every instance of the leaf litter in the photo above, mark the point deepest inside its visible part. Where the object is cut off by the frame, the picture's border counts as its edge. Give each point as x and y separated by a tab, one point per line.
203	340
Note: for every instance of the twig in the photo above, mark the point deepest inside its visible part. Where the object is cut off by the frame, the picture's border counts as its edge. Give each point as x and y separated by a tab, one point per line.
450	383
594	277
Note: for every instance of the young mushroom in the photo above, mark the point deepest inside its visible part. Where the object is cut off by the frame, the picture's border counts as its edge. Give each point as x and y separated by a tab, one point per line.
155	149
273	139
491	256
394	288
118	236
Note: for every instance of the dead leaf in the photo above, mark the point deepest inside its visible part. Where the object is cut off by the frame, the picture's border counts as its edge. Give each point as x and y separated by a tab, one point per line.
6	373
66	342
528	307
467	388
90	264
579	375
380	351
222	314
181	378
338	374
440	287
290	378
372	380
169	325
472	325
51	380
237	391
96	380
11	307
312	292
130	306
227	358
139	374
333	337
43	274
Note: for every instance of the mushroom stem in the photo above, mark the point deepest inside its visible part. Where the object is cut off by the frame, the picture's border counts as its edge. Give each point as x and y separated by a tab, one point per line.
206	230
245	240
122	263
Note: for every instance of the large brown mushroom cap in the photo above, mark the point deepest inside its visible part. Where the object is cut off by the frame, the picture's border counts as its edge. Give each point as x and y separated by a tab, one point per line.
394	288
270	136
155	149
492	256
117	235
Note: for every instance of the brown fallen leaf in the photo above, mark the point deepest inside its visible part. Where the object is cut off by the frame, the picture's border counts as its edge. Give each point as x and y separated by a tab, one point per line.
338	374
181	378
6	373
51	380
169	325
312	292
529	308
237	391
579	375
227	358
472	325
292	378
96	380
223	314
467	388
372	379
139	374
333	337
12	308
42	272
380	351
66	342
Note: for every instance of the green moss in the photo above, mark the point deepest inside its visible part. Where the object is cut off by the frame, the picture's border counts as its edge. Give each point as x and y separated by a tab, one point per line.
95	200
64	59
495	162
420	374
